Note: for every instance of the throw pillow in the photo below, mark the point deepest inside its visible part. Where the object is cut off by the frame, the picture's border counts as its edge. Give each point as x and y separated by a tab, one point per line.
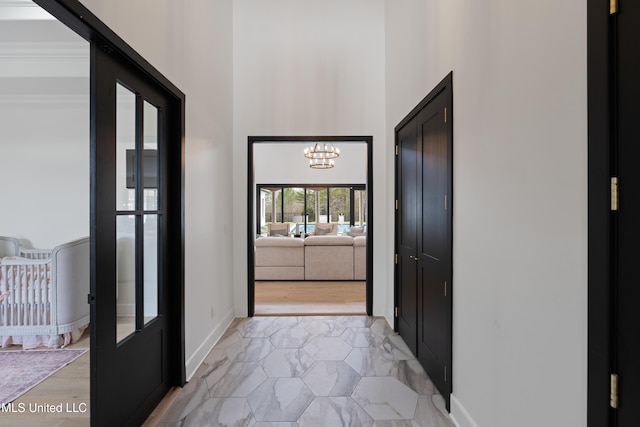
322	231
356	231
279	232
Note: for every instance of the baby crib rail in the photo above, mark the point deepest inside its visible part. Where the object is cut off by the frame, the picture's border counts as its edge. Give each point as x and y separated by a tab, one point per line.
26	296
35	253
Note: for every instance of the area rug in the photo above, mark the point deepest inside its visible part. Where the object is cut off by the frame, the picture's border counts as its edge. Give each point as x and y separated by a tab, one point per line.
21	370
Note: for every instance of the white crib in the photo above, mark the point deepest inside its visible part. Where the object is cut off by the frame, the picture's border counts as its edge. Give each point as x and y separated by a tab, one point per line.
43	293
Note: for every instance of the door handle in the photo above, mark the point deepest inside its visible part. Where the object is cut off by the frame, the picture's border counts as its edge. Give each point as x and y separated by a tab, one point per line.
414	258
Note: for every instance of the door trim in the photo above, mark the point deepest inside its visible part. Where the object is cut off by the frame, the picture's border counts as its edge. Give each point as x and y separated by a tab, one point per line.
251	208
599	323
79	19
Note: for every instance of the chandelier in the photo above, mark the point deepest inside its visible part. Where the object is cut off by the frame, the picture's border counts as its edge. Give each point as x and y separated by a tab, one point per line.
321	155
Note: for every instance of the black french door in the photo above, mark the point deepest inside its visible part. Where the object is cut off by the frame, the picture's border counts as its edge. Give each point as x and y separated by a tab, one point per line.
135	293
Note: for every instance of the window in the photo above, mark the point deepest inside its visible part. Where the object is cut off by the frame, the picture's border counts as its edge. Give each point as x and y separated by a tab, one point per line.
303	206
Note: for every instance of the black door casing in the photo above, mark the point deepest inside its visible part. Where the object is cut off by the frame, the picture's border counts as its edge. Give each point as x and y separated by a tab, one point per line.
626	219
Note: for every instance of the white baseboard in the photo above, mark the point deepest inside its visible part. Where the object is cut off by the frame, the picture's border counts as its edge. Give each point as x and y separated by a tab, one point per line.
212	339
459	414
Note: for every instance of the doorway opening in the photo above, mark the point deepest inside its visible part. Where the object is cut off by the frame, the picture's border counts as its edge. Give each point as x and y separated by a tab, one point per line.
44	220
310	231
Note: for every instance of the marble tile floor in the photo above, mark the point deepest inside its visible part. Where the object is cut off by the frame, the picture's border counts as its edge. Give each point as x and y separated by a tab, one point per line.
309	372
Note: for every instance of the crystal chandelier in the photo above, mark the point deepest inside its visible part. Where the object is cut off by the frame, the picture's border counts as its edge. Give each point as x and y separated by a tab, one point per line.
321	155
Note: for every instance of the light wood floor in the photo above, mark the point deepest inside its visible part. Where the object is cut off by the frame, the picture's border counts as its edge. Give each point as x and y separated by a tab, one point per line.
69	386
310	298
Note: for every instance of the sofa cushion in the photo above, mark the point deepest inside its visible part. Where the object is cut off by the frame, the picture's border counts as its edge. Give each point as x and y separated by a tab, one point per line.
328	241
331	229
279	228
279	241
328	262
356	231
360	241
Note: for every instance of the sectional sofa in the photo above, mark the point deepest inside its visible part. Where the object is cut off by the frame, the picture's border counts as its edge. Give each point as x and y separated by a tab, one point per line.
317	257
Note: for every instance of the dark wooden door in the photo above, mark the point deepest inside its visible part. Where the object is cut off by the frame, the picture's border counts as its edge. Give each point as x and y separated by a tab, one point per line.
627	218
407	236
434	244
424	233
131	354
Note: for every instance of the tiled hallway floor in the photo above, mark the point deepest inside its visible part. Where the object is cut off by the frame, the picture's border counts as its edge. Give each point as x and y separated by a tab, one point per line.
309	371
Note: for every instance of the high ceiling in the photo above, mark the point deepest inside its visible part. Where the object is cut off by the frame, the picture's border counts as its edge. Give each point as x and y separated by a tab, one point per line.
39	56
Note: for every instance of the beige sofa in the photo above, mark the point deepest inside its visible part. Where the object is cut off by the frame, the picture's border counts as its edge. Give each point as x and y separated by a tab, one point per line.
360	258
326	257
279	258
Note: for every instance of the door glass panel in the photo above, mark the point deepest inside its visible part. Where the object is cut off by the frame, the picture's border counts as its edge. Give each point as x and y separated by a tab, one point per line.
150	267
125	148
359	207
277	207
323	212
125	276
266	210
312	209
339	209
293	204
316	207
150	163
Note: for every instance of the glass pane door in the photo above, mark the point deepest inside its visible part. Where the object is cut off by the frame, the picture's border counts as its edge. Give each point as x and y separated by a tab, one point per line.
137	215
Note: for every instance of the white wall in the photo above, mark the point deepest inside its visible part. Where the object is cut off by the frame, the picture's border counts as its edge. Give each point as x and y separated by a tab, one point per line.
284	163
44	130
44	150
190	43
304	67
520	196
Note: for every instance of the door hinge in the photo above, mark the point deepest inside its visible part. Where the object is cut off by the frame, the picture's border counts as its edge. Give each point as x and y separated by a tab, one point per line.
105	47
613	398
445	114
91	298
397	150
396	311
396	257
445	288
614	193
613	7
445	373
445	202
396	204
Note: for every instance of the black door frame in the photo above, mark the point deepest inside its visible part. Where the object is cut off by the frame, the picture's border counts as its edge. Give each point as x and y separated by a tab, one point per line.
600	104
77	17
251	207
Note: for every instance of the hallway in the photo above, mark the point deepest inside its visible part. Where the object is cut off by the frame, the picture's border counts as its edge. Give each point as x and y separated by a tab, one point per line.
309	371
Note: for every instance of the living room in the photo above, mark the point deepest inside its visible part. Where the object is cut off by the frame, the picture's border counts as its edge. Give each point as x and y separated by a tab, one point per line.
310	226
